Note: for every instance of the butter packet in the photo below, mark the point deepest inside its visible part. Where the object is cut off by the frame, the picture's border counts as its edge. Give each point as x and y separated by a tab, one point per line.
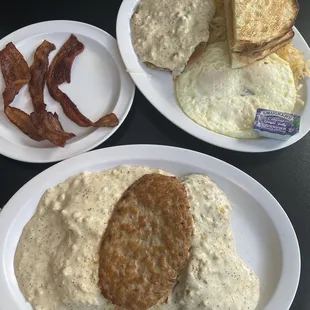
275	124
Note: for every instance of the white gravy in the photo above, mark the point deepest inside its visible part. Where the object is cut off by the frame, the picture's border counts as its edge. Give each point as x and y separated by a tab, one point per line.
216	278
165	33
56	261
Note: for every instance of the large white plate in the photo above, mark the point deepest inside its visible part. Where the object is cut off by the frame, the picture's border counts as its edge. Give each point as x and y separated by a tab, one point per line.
158	88
265	238
99	85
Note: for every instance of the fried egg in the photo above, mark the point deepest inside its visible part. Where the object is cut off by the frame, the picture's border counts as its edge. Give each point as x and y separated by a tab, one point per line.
225	100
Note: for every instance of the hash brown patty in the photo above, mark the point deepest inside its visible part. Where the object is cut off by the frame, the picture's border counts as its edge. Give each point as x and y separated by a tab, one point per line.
146	243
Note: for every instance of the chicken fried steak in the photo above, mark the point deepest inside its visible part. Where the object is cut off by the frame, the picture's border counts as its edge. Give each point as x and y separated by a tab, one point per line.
146	243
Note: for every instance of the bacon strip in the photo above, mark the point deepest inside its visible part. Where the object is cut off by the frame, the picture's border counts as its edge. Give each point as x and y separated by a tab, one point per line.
49	127
60	72
38	71
46	123
16	74
23	121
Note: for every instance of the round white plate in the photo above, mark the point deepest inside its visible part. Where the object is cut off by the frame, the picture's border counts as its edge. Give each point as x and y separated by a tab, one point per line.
264	236
99	85
157	86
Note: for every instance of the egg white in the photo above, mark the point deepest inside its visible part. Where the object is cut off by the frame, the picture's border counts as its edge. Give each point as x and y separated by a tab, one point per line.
225	100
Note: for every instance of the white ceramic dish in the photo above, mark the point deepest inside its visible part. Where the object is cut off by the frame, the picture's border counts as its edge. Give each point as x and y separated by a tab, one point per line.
265	238
158	88
99	85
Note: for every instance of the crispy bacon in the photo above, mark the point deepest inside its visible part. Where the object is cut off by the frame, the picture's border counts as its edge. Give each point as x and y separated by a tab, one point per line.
23	121
49	127
109	120
46	123
38	71
16	74
60	72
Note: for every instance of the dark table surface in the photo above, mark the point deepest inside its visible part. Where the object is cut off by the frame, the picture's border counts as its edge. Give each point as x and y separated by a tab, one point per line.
285	173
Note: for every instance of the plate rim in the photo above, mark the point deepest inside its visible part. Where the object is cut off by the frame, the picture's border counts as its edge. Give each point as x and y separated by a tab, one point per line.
20	152
186	124
288	239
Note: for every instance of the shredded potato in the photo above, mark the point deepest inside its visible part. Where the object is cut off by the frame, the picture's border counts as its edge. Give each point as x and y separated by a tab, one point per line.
299	66
294	57
218	32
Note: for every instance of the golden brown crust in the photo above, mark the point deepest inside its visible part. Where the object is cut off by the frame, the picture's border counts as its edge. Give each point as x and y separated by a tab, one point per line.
264	20
261	28
295	8
146	243
251	49
243	59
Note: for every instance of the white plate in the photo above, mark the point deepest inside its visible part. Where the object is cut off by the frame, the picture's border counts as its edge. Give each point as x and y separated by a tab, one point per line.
99	85
158	88
265	238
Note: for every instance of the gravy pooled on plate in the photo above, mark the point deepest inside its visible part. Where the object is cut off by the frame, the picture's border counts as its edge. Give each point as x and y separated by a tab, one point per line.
57	261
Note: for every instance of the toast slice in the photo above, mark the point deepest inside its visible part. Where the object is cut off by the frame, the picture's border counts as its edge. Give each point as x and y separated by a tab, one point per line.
248	55
257	28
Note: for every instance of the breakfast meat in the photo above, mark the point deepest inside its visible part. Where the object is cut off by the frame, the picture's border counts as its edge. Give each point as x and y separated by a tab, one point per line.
16	74
38	72
60	72
40	124
166	33
23	121
49	127
146	243
46	123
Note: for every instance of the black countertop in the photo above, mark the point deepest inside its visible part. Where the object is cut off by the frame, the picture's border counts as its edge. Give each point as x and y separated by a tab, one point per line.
285	173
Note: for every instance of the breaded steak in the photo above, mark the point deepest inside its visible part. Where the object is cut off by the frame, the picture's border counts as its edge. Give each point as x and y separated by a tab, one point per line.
146	243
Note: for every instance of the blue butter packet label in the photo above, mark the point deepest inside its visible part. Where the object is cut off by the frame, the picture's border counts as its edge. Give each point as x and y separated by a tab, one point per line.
275	124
